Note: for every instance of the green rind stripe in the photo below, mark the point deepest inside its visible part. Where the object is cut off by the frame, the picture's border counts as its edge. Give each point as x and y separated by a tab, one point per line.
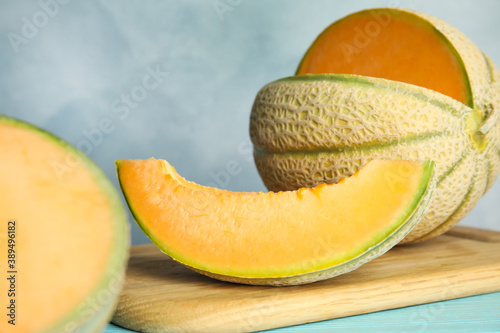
361	147
452	168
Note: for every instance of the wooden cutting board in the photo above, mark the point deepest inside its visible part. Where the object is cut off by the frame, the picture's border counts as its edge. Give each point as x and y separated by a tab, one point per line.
163	296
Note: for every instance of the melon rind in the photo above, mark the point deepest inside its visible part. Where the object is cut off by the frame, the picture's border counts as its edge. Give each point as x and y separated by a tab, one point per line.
317	128
92	314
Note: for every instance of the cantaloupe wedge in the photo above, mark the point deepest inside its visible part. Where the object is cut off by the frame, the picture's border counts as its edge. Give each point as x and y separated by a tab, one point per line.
315	128
63	235
283	238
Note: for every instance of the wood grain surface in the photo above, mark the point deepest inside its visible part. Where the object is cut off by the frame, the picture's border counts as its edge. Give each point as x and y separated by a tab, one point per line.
163	296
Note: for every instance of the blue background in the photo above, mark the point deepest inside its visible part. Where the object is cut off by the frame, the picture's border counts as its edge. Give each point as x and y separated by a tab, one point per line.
72	72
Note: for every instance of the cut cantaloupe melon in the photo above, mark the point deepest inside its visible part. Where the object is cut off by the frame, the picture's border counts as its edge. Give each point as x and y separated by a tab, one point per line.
284	238
64	235
315	128
395	44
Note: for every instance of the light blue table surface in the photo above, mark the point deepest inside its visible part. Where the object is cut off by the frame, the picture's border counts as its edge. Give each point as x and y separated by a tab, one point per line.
470	314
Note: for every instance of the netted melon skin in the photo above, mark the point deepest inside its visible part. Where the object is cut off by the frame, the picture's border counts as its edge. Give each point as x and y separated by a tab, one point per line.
314	129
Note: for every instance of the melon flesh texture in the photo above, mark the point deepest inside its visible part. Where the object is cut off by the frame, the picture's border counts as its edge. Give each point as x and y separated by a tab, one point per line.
279	238
71	233
390	44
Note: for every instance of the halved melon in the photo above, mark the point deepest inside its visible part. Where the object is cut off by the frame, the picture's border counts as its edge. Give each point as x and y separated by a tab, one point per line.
283	238
64	235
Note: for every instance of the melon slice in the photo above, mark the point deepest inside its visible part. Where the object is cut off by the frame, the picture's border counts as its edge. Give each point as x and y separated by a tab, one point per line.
69	235
283	238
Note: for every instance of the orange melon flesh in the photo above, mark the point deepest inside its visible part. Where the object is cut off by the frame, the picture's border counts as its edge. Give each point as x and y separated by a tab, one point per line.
390	44
70	232
261	235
